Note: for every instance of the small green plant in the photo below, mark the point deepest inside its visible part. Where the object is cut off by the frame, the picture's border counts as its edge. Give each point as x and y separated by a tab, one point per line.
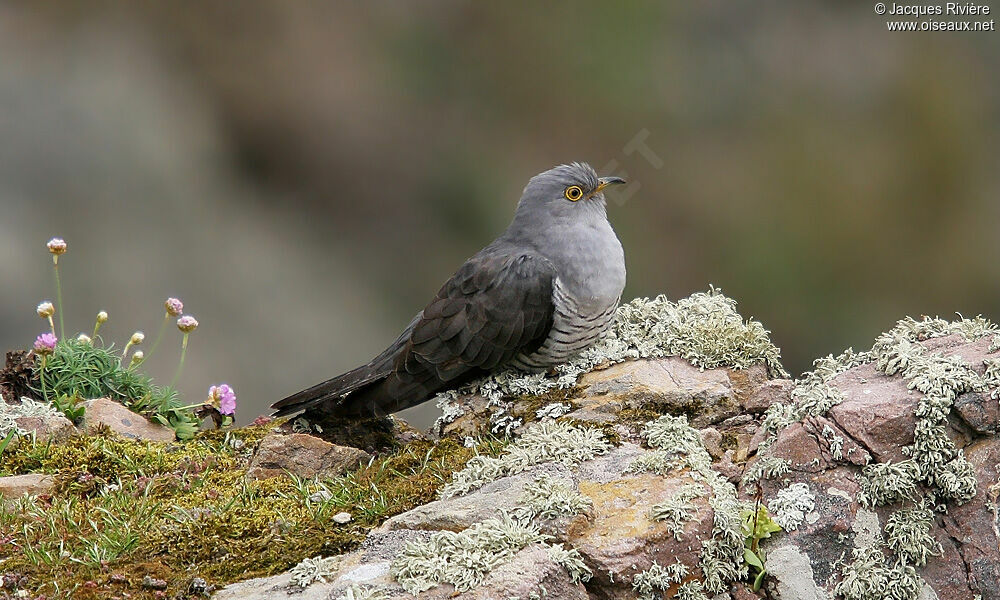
70	370
757	525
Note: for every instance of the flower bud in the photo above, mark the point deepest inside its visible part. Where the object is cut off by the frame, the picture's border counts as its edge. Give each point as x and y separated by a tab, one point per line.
174	307
187	323
137	338
137	357
57	246
46	310
102	317
83	337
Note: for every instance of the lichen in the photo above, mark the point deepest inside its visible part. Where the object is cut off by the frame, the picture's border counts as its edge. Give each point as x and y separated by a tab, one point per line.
769	467
658	578
552	411
677	445
704	328
572	561
908	534
315	569
691	590
356	592
871	576
888	483
542	442
464	559
677	510
790	505
9	413
549	498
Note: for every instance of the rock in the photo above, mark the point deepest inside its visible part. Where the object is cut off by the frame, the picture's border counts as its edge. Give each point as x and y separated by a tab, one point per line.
620	537
670	385
342	518
877	411
15	486
304	456
121	420
55	428
460	512
768	393
980	410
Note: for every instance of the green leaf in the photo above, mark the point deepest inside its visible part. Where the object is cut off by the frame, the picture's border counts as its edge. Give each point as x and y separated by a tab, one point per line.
752	559
759	580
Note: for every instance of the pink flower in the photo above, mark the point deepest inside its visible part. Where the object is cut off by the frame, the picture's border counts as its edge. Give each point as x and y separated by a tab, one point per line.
45	343
174	307
57	246
224	397
187	323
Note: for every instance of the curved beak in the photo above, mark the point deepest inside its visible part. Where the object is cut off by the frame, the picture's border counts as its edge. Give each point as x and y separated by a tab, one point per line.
604	182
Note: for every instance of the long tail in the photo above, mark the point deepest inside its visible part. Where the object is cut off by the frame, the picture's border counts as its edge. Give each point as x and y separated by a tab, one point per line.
330	390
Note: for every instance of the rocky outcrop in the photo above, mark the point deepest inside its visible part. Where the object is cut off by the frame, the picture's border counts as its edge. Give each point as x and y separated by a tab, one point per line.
881	467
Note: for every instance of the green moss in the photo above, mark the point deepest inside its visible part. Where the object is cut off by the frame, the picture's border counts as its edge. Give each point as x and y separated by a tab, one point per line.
174	511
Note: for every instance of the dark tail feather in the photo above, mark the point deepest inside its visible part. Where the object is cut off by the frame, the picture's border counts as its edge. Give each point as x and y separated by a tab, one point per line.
332	389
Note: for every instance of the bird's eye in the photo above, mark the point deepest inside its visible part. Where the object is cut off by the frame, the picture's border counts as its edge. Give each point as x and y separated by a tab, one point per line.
574	193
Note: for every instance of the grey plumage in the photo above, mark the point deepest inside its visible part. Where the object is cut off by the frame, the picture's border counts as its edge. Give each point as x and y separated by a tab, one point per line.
540	293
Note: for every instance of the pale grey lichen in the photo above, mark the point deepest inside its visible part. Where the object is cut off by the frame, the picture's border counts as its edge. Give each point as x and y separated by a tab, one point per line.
888	483
678	510
908	534
769	467
691	590
542	442
991	377
836	442
789	506
315	569
678	445
870	576
464	559
553	411
704	328
658	578
9	413
550	498
572	561
356	592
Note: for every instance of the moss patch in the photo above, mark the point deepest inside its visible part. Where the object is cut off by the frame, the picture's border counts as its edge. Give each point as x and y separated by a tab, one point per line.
124	510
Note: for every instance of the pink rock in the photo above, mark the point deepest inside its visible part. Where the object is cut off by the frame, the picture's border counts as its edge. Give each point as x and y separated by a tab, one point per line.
303	455
15	486
123	421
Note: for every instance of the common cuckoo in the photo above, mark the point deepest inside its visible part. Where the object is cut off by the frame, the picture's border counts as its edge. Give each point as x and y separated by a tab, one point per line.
539	294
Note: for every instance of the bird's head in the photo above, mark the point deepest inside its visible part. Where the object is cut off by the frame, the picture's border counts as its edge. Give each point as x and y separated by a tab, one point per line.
566	192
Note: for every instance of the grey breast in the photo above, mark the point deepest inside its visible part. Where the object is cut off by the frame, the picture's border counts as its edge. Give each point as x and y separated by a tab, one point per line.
576	325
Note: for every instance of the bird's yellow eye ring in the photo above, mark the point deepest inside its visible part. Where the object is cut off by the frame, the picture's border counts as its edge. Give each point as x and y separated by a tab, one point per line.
574	193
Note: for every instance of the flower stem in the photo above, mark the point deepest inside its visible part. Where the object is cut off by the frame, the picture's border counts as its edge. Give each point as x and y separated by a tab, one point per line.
159	334
184	347
41	375
59	303
52	325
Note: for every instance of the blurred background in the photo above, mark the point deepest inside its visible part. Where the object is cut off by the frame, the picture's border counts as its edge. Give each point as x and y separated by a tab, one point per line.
305	175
